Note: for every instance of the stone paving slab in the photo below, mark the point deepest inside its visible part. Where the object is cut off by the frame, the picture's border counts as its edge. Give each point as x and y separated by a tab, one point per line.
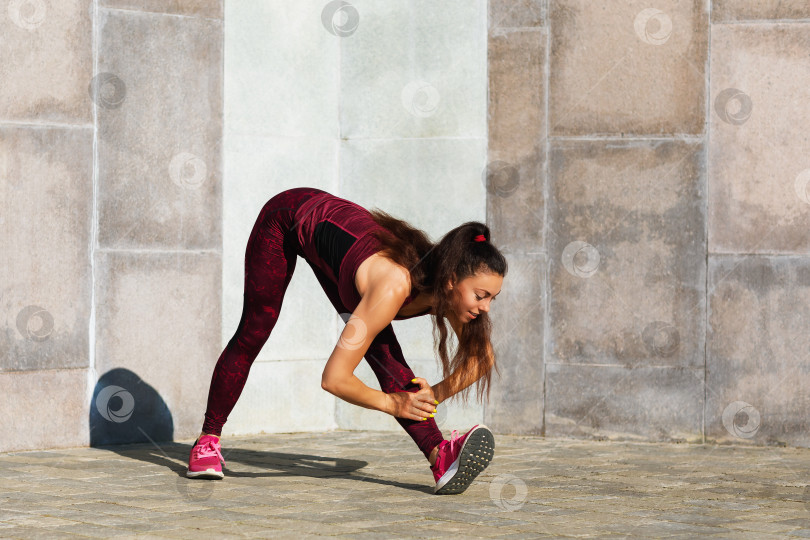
373	484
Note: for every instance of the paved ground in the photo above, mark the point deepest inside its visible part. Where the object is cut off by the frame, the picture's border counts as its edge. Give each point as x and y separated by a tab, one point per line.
377	485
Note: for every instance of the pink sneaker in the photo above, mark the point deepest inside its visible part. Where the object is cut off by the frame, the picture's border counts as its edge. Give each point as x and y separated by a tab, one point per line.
461	459
203	462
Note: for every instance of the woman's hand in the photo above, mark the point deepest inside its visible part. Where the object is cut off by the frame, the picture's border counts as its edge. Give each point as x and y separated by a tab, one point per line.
417	405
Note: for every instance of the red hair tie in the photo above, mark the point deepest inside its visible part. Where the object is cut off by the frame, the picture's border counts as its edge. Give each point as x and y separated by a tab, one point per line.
480	238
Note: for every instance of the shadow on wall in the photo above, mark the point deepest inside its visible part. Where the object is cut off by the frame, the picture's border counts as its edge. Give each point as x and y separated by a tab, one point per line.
125	409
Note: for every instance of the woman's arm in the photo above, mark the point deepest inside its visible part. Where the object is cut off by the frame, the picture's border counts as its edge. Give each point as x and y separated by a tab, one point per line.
376	310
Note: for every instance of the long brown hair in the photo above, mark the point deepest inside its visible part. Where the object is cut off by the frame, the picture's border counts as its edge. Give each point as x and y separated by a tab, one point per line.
431	267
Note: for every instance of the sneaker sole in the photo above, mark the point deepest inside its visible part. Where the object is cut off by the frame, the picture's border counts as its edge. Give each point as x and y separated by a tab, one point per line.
208	473
475	455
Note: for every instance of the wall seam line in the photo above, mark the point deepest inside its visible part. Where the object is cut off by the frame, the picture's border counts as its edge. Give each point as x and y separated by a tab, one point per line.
92	374
760	21
707	137
487	221
45	125
545	248
213	251
336	331
161	13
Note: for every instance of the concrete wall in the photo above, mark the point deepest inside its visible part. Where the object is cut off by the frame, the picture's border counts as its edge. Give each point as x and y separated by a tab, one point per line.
111	171
648	180
642	165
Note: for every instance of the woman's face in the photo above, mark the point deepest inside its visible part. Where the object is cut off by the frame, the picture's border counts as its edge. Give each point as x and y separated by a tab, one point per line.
474	294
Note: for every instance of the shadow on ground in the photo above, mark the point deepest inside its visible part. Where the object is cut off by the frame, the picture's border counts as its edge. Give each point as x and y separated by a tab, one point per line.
130	418
174	456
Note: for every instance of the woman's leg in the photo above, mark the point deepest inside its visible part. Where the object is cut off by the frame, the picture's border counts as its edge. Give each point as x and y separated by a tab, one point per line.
270	260
392	371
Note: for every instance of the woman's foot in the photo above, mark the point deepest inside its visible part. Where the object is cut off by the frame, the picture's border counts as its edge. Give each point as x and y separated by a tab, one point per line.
461	459
203	461
433	454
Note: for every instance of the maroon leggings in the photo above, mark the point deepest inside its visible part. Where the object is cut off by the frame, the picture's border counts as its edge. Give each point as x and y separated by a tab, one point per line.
270	259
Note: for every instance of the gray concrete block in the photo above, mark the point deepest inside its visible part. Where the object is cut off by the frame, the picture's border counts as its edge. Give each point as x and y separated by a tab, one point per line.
758	173
621	403
194	8
46	210
740	10
43	409
518	315
158	316
627	249
258	167
516	153
756	365
159	131
403	74
521	13
46	62
283	69
627	68
283	396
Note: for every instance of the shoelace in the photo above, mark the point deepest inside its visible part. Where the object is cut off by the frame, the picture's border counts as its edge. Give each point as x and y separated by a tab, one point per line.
454	437
207	450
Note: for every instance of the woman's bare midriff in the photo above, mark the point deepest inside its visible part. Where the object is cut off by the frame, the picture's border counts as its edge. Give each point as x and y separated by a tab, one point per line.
417	305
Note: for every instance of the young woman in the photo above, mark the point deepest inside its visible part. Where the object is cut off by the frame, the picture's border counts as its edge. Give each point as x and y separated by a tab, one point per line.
378	269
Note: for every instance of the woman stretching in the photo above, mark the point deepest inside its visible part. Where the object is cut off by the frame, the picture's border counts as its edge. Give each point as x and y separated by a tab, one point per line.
379	269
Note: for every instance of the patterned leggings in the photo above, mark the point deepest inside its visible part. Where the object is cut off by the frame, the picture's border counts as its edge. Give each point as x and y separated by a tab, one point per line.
270	260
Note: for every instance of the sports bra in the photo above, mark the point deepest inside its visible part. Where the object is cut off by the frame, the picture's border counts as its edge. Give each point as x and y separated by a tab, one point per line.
334	235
